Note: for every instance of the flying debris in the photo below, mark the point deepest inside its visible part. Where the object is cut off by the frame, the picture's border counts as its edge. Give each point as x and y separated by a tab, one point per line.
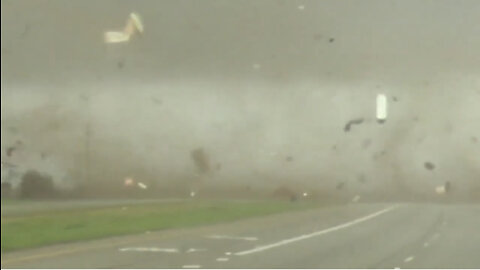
381	108
134	25
348	126
201	160
142	185
440	190
429	166
128	182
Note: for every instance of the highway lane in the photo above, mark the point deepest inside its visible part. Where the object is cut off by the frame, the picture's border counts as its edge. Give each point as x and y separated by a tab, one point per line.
349	236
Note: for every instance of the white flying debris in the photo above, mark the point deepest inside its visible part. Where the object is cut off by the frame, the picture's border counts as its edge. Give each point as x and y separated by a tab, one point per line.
134	25
192	194
440	190
142	185
128	182
381	108
305	194
301	7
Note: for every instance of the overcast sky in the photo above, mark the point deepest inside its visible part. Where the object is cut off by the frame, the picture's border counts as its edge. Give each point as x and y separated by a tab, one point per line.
252	82
404	40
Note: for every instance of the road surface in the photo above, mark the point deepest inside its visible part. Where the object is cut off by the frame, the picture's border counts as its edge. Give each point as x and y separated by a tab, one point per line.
351	236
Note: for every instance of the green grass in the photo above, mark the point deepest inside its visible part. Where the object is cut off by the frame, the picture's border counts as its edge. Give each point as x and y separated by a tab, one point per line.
19	232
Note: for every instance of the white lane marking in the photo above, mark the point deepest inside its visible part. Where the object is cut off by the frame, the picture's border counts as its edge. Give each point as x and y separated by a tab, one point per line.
192	266
149	249
426	244
222	259
409	259
232	237
317	233
190	250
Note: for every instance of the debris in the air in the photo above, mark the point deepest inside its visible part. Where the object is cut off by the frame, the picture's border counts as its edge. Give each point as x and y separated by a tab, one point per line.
352	122
289	158
128	182
394	98
331	40
10	151
121	64
340	185
429	166
142	185
381	108
305	194
474	139
301	7
192	194
440	190
134	25
356	199
201	160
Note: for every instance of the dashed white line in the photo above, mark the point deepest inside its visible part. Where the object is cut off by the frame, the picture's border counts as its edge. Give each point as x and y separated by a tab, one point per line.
196	250
409	259
149	249
192	266
222	259
228	237
317	233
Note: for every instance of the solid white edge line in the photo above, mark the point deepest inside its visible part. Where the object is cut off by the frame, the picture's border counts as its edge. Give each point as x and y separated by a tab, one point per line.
317	233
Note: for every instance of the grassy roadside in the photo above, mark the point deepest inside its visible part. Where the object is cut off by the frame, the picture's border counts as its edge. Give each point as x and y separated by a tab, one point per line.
34	230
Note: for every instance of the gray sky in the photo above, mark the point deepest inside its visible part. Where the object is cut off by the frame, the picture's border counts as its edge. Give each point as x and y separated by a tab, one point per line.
384	40
252	82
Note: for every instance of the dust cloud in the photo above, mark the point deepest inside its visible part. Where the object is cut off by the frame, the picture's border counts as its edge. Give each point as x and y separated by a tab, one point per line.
264	89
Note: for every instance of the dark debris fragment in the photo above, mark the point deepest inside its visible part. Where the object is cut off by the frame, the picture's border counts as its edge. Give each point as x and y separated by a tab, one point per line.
348	126
429	166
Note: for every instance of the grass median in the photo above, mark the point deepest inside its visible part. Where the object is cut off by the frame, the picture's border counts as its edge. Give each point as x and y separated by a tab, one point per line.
45	228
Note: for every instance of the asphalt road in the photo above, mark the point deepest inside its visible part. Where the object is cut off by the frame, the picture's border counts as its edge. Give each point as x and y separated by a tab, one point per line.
352	236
